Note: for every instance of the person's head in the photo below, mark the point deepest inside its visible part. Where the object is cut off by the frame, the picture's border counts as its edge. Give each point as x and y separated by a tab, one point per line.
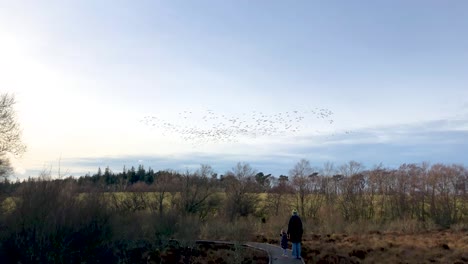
294	212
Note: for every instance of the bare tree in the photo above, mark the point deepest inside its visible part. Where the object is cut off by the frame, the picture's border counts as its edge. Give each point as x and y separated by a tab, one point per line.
443	199
377	191
300	178
10	133
240	186
328	169
196	190
316	196
276	195
165	183
351	168
5	168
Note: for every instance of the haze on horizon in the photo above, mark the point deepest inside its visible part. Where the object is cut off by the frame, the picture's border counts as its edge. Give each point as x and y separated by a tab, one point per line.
88	75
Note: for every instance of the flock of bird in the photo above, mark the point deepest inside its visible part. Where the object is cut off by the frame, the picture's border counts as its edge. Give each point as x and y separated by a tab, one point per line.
211	127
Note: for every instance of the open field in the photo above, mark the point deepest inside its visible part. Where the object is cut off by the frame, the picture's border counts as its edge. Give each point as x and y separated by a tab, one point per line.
430	247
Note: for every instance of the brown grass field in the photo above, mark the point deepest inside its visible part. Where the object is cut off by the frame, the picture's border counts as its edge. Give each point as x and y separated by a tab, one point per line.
385	247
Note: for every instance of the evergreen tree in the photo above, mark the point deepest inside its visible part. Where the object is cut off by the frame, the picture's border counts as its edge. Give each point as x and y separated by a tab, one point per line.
109	177
132	175
141	173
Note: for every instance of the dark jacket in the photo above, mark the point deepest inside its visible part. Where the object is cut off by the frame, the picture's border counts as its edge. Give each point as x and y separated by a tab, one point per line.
295	229
284	240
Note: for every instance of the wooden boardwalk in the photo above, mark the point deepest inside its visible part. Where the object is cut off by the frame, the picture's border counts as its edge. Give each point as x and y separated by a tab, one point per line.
275	253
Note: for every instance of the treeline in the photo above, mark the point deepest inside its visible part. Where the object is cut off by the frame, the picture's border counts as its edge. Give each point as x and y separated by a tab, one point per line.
109	181
142	179
421	192
413	191
436	193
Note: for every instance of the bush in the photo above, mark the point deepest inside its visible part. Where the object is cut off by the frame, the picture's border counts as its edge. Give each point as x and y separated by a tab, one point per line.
49	223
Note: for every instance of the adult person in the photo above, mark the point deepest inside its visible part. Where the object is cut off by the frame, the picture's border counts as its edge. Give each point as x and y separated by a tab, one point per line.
295	234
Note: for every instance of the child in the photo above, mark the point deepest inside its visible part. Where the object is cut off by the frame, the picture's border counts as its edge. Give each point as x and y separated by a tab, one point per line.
284	242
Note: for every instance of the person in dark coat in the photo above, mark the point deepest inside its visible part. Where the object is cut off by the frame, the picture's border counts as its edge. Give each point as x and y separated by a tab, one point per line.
295	234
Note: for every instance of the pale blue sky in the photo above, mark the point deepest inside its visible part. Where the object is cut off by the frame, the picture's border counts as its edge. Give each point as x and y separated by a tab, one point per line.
395	73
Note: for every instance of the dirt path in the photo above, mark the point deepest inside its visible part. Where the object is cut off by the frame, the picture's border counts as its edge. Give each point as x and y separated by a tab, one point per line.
275	253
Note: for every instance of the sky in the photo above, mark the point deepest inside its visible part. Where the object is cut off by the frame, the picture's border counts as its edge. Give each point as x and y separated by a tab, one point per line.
87	74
